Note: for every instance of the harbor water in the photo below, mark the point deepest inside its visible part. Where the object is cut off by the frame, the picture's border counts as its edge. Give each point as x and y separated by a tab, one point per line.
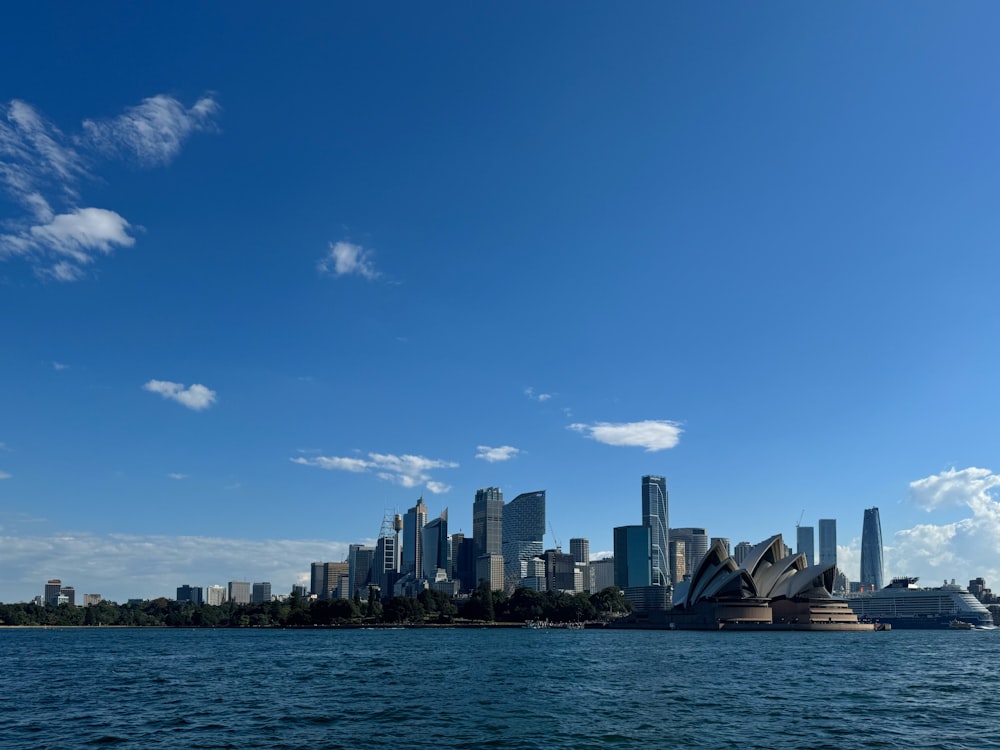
481	688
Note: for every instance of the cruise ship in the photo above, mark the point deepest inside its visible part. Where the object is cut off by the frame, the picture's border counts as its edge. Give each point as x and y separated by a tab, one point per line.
903	604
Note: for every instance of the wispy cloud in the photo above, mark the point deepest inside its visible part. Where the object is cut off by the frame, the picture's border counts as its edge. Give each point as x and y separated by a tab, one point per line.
176	475
653	435
406	470
59	366
152	133
346	259
123	566
196	397
4	475
492	455
41	169
540	397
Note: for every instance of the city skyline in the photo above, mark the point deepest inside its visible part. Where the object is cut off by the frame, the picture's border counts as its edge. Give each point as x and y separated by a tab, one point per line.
305	268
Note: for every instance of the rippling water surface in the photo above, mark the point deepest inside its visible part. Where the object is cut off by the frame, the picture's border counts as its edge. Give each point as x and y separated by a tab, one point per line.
497	688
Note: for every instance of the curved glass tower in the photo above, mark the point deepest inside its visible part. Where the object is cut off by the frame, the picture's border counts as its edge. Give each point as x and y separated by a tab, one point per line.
871	550
654	516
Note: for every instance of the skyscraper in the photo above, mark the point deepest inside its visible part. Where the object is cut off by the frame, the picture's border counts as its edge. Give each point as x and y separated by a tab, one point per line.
261	592
828	541
413	525
523	531
654	516
632	554
871	550
360	560
805	543
193	594
434	544
487	522
239	592
52	590
215	595
579	548
695	545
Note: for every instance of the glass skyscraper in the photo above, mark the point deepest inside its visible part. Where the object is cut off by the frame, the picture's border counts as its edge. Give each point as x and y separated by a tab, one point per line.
413	526
632	555
871	550
828	541
487	522
654	517
523	531
805	543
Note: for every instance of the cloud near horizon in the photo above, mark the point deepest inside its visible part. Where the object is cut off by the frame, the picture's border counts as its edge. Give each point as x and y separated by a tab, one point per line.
493	455
406	470
197	397
41	168
124	566
653	435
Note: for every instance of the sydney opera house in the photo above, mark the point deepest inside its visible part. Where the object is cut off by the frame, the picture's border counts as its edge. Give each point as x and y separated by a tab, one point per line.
768	590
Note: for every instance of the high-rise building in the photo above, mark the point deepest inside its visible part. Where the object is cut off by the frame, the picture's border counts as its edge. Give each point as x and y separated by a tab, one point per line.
805	543
89	600
191	594
385	569
487	522
828	541
215	595
489	568
52	590
677	557
330	580
413	526
632	554
602	574
434	549
560	571
654	516
67	594
261	592
740	551
871	550
523	527
463	562
723	540
239	592
695	545
360	561
580	549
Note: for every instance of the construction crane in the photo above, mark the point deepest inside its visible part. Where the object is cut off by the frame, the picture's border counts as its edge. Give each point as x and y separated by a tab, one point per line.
799	522
555	539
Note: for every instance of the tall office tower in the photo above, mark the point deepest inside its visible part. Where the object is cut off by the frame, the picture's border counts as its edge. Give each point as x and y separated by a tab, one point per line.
487	522
360	561
413	525
215	595
385	568
740	551
871	550
580	549
89	600
633	550
261	592
724	541
68	594
828	541
560	571
239	592
434	549
523	527
489	568
602	574
805	543
464	556
695	543
677	557
52	590
455	542
300	590
654	515
191	594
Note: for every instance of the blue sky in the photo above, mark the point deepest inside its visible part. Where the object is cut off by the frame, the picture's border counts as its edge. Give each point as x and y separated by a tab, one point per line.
265	274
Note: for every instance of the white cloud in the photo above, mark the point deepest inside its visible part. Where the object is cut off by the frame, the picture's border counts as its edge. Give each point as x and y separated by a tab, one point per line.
177	475
197	397
954	488
503	453
152	132
345	258
653	435
406	470
59	366
540	397
40	166
4	475
123	566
